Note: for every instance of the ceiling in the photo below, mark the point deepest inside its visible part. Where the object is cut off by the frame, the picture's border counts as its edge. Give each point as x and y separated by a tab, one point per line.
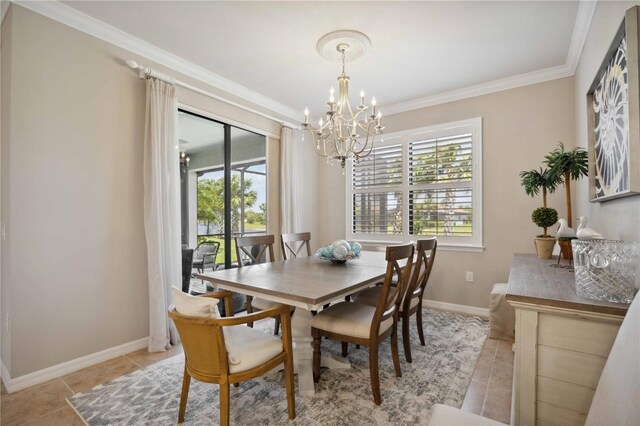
419	49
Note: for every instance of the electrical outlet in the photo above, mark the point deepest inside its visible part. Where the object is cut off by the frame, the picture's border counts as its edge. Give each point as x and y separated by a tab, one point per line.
469	277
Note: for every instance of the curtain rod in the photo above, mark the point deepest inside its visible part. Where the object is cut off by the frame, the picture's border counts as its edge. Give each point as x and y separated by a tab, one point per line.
145	72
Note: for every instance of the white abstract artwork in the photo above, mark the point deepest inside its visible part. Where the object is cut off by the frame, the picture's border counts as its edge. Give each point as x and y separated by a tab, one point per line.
611	127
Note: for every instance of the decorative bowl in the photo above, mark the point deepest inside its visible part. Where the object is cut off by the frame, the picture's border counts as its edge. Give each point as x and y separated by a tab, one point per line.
338	253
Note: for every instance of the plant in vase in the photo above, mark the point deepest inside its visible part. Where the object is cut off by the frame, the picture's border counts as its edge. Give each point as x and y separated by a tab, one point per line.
567	166
534	182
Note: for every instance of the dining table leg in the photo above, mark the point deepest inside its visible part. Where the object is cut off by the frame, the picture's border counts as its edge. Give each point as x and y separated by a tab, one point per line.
303	352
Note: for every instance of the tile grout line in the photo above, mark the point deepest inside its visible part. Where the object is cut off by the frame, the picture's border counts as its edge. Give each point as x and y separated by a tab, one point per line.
67	385
486	389
127	357
41	416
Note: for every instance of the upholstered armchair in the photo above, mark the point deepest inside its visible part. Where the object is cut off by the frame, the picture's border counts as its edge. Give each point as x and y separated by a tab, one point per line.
224	351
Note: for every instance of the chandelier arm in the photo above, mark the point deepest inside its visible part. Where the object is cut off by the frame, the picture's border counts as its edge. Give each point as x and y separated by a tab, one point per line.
318	141
365	147
366	143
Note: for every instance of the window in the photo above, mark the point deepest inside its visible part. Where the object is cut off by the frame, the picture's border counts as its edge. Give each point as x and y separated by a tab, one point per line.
422	182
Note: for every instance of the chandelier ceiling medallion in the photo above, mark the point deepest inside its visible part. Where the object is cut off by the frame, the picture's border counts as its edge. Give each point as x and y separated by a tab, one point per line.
348	134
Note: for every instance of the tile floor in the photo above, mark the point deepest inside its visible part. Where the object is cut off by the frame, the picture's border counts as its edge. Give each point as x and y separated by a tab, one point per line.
489	393
45	405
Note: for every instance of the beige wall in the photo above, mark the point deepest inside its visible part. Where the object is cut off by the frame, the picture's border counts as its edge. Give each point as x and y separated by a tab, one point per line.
311	194
617	219
74	278
519	127
5	89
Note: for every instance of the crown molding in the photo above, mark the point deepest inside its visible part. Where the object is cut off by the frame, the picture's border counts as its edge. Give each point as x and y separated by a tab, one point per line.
110	34
520	80
586	10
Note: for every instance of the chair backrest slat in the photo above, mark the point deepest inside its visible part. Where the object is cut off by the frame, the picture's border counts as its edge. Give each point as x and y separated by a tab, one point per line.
425	256
390	297
288	241
254	248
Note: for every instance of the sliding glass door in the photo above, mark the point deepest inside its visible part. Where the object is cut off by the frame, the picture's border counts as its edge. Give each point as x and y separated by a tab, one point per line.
223	185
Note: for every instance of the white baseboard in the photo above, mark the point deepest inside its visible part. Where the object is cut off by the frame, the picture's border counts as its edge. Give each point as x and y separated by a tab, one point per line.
67	367
453	307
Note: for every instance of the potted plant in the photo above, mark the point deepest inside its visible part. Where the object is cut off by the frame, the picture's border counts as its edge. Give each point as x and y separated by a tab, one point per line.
567	166
533	182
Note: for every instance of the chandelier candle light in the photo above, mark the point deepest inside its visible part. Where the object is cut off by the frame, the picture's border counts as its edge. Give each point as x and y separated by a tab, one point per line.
345	136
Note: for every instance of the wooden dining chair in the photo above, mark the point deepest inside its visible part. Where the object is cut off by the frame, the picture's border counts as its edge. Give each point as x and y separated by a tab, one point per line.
412	298
291	250
252	251
293	245
366	325
219	350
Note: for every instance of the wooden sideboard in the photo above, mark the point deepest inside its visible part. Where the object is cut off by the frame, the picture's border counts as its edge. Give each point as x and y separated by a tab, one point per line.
562	343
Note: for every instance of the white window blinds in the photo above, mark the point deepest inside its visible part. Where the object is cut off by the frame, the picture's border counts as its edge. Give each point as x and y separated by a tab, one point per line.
443	169
421	182
377	208
380	168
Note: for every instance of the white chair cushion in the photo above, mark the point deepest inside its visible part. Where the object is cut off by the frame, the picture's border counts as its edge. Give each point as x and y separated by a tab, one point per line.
350	319
617	397
195	306
262	304
444	415
371	296
248	348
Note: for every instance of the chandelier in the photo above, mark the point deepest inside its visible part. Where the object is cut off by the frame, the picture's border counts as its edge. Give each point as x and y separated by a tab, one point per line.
348	134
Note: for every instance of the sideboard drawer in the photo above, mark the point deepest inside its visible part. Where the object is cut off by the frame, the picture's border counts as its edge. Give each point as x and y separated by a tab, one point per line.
577	334
573	367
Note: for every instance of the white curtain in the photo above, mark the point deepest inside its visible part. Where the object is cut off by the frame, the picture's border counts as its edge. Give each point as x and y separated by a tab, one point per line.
289	208
161	208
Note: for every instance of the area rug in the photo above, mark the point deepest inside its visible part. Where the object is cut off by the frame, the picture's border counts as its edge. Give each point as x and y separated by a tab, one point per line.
440	373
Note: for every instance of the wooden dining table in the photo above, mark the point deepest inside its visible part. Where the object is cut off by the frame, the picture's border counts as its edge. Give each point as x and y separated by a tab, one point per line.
307	283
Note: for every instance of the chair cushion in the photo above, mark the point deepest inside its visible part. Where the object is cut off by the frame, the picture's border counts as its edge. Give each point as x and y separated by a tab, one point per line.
444	415
248	348
195	306
371	296
263	304
350	319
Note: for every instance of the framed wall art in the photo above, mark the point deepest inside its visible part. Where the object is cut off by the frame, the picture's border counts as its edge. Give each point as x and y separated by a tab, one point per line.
614	117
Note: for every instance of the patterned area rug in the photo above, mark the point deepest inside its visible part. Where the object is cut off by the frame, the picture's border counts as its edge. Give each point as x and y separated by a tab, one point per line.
440	373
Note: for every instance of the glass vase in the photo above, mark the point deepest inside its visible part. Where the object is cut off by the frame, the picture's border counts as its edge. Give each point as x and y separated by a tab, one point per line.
606	270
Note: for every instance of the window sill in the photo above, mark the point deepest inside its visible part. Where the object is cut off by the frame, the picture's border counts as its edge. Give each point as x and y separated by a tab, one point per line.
441	246
461	247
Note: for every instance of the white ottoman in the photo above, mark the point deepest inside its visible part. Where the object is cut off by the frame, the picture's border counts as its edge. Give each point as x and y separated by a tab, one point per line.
502	316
